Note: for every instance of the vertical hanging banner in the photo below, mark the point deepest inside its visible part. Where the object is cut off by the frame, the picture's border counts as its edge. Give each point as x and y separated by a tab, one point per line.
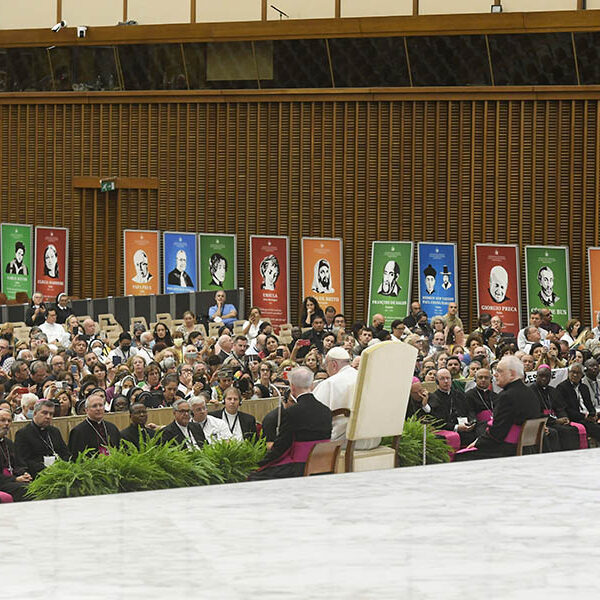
142	264
217	267
391	277
437	277
498	283
270	277
322	276
179	262
51	261
594	278
17	259
547	278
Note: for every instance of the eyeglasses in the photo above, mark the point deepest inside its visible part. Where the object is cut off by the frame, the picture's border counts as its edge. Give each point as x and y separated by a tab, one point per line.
187	371
182	410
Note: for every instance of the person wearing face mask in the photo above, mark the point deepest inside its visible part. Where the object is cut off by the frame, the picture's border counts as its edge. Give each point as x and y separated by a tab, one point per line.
27	403
123	351
178	345
144	349
39	444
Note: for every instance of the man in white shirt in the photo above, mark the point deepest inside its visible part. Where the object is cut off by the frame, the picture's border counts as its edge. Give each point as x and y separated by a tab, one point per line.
214	429
337	391
535	320
55	333
123	352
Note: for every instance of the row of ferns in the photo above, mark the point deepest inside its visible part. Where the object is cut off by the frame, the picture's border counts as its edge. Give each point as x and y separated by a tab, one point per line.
157	466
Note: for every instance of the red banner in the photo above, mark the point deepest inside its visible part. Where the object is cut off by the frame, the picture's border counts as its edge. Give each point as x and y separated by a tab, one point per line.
51	261
497	272
269	277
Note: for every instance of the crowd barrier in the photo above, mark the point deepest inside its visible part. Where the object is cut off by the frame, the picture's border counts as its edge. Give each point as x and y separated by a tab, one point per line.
160	416
125	307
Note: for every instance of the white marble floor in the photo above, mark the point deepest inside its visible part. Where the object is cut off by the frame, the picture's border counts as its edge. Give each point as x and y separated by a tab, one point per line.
507	529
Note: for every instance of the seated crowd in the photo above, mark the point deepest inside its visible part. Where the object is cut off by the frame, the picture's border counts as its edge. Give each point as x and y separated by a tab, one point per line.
66	368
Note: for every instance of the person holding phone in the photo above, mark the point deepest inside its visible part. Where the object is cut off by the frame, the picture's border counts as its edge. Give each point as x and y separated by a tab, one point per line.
123	352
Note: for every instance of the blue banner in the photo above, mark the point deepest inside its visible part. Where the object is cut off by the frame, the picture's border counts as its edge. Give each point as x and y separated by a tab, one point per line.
179	262
437	277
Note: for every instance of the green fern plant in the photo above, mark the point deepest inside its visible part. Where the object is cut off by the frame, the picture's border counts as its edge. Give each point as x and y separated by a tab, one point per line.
410	448
152	466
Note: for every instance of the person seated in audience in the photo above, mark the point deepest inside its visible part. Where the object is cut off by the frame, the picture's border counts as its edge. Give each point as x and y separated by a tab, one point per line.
237	360
251	327
55	332
215	430
337	391
310	310
162	334
123	351
514	405
36	313
90	330
94	432
13	474
592	370
448	408
170	385
535	320
20	376
224	381
224	347
241	425
564	437
576	402
480	400
454	365
419	397
571	331
303	425
314	335
138	415
63	402
186	381
365	335
39	444
222	312
186	434
144	348
27	403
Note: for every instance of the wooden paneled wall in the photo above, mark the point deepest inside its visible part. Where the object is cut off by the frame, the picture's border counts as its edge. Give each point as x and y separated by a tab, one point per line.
467	167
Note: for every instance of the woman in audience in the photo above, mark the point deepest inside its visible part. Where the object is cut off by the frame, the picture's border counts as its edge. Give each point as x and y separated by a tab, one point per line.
310	309
536	351
551	357
575	356
437	324
120	404
152	376
64	403
328	342
189	323
27	403
73	327
137	366
63	310
270	351
251	327
571	331
100	372
162	334
311	361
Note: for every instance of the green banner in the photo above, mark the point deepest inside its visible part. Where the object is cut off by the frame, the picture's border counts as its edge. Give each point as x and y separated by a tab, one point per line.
547	277
216	261
391	277
17	259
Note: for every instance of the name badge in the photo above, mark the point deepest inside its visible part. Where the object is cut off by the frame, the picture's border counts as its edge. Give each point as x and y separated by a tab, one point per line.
463	420
49	460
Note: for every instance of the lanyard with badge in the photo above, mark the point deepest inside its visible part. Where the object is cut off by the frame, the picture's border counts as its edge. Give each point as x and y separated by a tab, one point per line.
50	459
231	427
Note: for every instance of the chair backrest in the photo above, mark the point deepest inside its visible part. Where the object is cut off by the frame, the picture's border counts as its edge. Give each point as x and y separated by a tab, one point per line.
165	318
323	458
200	327
135	320
532	434
238	326
106	319
213	329
175	323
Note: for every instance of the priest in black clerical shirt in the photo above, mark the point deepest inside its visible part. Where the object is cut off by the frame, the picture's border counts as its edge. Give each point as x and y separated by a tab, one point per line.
39	444
94	432
13	477
138	413
480	401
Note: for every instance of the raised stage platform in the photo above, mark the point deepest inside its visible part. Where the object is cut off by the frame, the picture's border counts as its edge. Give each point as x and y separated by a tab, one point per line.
507	528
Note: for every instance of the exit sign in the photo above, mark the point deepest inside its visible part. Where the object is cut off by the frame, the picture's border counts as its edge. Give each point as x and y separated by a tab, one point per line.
107	185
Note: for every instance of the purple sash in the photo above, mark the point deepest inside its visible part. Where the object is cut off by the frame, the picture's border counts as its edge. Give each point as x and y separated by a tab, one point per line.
583	443
297	453
452	439
484	415
512	436
548	412
5	498
7	472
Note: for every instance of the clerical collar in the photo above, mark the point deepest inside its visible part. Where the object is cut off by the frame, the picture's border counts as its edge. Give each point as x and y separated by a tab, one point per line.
229	414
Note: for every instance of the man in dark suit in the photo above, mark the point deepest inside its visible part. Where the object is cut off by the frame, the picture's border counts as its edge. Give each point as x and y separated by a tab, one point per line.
515	404
303	425
138	413
181	430
576	403
39	444
560	436
242	425
94	432
13	476
447	406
